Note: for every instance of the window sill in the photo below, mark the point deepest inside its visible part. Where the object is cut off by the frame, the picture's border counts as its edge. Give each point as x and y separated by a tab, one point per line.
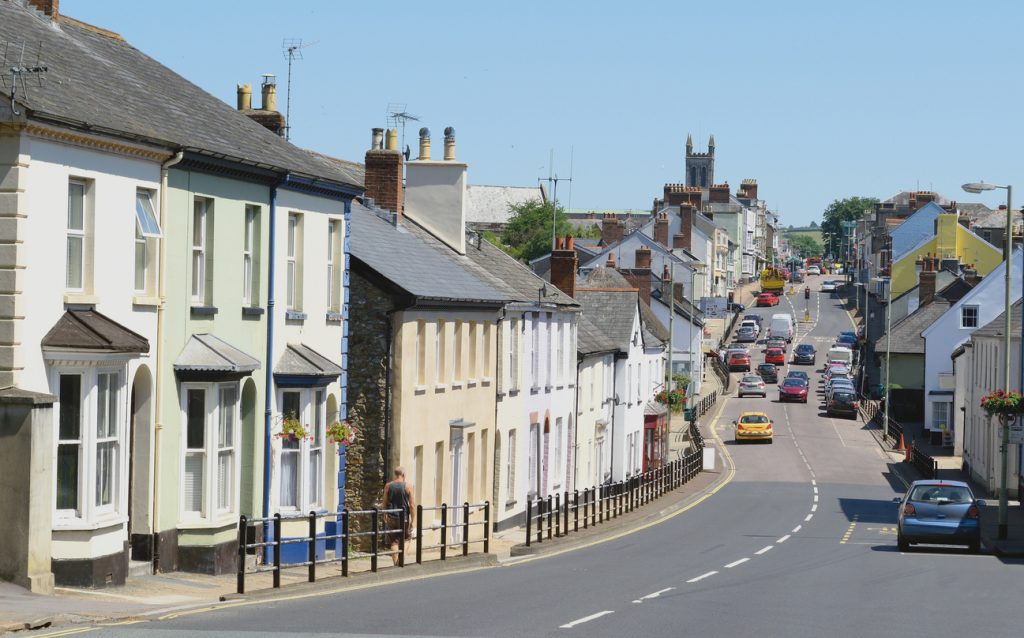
471	383
440	387
513	392
145	300
420	389
252	311
334	317
456	385
78	524
294	315
510	504
203	311
224	520
547	388
535	389
485	381
81	299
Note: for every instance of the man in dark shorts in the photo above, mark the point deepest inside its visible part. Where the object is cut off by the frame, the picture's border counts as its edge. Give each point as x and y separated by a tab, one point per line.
398	495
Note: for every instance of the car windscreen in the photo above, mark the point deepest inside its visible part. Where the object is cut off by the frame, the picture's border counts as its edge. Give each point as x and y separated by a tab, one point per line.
804	347
767	367
793	383
751	379
941	493
754	418
844	397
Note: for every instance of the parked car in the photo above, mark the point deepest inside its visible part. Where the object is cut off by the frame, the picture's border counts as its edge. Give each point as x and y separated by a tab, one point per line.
796	278
828	286
839	385
753	426
776	356
751	384
850	333
750	323
805	354
813	270
746	334
849	341
768	372
755	318
737	307
941	512
842	401
739	362
793	389
799	374
767	299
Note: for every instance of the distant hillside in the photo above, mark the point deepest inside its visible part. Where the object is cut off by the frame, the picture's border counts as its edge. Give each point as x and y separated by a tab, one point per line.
813	233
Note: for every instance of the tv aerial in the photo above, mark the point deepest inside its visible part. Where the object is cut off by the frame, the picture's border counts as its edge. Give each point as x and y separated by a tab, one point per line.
18	75
292	49
397	117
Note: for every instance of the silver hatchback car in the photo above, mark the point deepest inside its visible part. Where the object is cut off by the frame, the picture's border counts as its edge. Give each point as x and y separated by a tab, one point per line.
752	384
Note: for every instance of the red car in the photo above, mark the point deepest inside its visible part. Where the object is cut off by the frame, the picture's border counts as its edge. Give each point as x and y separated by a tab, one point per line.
793	389
767	299
739	361
776	356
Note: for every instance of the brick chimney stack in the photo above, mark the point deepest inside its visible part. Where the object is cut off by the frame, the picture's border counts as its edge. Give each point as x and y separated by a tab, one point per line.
748	188
661	229
719	194
640	274
384	167
610	263
564	263
926	281
612	229
48	7
267	115
684	238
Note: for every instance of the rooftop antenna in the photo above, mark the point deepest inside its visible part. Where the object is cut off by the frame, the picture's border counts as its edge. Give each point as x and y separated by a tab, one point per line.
397	117
292	48
21	75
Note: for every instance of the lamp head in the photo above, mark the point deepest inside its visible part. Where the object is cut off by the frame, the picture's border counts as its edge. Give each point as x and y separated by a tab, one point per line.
979	187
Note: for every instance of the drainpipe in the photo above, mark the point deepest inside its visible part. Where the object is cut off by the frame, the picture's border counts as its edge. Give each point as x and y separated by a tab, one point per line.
159	376
268	388
576	418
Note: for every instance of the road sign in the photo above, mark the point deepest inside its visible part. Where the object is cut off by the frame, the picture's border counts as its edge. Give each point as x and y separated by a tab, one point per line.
1016	432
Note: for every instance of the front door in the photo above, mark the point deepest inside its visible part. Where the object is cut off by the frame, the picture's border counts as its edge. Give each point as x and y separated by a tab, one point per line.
455	507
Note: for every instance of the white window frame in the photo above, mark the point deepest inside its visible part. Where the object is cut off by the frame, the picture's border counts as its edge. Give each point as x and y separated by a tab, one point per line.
249	254
211	513
963	315
510	468
88	513
293	271
334	269
199	246
513	367
76	234
439	352
310	486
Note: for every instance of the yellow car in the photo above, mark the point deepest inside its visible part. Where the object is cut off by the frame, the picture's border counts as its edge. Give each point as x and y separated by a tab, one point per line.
753	426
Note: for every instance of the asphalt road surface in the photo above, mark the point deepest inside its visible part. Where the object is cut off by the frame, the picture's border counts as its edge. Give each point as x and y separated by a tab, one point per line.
801	542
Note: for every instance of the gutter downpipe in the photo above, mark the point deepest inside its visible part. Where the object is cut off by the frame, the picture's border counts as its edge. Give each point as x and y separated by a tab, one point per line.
268	386
159	375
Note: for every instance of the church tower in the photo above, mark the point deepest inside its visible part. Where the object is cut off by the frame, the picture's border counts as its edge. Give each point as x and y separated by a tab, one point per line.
700	167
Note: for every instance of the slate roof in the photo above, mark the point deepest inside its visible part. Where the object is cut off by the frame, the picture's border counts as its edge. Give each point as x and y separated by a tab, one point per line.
415	262
590	339
512	277
90	330
610	303
604	277
906	335
207	353
301	360
652	325
99	83
491	204
995	327
994	219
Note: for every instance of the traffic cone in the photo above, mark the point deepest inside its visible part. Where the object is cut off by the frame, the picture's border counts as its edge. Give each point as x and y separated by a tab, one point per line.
910	452
902	446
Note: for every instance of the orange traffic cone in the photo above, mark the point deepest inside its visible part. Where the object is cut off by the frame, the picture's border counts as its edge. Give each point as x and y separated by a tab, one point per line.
902	446
910	452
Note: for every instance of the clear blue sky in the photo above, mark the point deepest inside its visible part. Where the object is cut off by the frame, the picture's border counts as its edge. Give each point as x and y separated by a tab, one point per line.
816	100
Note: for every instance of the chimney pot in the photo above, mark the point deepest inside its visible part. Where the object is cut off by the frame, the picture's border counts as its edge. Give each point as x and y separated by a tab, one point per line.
392	139
611	260
564	263
449	144
570	243
377	140
383	178
269	92
244	97
424	143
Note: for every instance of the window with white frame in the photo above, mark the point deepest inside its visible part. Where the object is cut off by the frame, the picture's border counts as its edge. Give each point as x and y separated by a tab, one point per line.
969	316
485	370
535	351
249	267
294	269
439	352
74	273
941	415
458	352
549	377
201	251
335	265
302	460
560	336
473	350
510	468
147	232
210	468
513	367
421	352
557	453
90	470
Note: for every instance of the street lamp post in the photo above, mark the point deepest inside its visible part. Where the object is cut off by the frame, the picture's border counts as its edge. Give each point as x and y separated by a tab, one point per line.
978	187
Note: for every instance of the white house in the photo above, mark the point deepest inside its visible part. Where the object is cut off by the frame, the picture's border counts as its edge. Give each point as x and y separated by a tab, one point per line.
595	374
976	309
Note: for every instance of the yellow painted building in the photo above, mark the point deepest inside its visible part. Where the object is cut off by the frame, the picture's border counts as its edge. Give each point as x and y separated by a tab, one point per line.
950	241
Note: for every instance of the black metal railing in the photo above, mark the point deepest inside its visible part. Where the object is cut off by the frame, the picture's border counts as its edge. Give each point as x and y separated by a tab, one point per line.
925	464
704	404
721	372
559	514
267	539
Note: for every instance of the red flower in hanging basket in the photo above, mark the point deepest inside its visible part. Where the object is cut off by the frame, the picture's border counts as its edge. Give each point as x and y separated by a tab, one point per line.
1002	402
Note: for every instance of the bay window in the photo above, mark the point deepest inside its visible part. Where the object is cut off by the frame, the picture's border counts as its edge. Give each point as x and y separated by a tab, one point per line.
210	471
302	459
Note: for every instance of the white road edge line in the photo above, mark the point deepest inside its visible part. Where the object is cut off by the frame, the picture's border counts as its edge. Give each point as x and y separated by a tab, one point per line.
783	539
808	518
797	529
585	619
702	577
764	550
815	498
736	562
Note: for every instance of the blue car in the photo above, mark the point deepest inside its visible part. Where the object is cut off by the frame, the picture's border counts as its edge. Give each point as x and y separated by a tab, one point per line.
848	340
939	513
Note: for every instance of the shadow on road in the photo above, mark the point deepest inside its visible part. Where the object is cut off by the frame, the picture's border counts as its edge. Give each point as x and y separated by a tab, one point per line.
868	510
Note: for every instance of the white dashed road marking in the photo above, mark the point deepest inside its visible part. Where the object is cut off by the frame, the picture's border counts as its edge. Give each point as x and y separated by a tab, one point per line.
736	562
808	518
702	577
586	619
783	539
797	529
764	550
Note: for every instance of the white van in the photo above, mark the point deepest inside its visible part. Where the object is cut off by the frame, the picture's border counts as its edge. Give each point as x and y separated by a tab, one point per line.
840	355
781	327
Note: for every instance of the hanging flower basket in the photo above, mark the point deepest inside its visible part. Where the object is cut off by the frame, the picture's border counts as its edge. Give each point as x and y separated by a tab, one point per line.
292	429
341	433
675	400
1003	404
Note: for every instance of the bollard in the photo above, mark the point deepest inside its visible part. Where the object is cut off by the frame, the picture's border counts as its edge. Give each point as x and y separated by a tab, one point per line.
487	527
593	505
529	519
277	550
540	520
373	540
419	535
312	546
547	508
558	515
465	528
444	530
565	523
344	542
576	511
242	524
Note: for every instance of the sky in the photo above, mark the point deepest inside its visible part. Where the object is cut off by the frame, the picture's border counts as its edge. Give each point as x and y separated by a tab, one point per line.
816	100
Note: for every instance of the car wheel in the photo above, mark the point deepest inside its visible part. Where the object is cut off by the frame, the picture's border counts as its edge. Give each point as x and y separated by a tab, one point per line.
902	543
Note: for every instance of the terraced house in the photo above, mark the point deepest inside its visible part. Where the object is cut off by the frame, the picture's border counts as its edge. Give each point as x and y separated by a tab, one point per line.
142	369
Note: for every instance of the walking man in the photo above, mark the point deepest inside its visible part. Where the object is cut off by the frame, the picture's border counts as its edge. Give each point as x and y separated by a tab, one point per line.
398	496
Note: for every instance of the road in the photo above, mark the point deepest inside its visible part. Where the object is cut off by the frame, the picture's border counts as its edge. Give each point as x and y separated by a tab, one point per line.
800	542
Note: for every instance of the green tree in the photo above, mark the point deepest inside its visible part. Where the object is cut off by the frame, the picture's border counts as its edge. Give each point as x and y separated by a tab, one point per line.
528	233
839	211
814	224
805	245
